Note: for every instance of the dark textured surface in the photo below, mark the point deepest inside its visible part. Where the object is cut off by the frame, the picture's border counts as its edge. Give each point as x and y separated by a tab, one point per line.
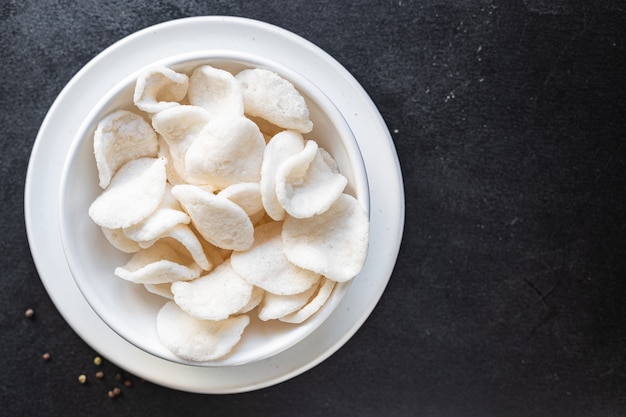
508	294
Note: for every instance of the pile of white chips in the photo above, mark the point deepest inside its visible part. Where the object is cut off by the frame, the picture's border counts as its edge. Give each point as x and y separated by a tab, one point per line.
227	210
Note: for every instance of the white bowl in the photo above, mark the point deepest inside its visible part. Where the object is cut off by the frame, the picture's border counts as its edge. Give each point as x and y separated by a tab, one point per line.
129	309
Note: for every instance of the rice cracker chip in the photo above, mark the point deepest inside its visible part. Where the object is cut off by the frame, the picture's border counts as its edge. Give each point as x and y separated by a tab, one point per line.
277	306
266	266
179	126
218	220
187	238
313	306
158	264
121	137
164	290
173	177
133	194
280	147
309	182
167	215
225	153
333	244
246	195
255	299
120	241
198	340
275	99
159	88
214	296
217	91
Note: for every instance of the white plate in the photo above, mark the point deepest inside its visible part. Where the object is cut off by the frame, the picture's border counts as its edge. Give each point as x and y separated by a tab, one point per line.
186	35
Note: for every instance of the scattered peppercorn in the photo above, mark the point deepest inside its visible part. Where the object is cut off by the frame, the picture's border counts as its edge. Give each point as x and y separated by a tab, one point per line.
99	374
128	383
29	313
97	361
82	379
111	394
117	391
46	356
119	377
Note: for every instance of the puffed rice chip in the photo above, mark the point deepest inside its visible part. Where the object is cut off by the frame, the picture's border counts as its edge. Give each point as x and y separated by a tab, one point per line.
309	182
198	340
134	193
120	241
280	147
333	244
186	237
121	137
164	289
218	220
159	88
275	99
217	91
313	306
277	306
167	215
180	127
226	153
158	264
246	195
215	296
173	177
266	266
257	296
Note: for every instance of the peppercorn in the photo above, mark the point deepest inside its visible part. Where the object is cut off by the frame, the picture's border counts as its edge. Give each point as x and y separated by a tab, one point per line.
82	379
29	313
46	356
97	361
99	374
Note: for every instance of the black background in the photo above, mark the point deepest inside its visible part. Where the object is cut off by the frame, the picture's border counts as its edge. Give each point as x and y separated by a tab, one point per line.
508	295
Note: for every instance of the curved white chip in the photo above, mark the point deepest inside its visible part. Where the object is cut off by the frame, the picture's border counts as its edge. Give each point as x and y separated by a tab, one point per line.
133	194
257	296
158	264
214	254
277	306
282	146
313	306
217	91
275	99
226	152
333	244
159	88
187	238
179	126
198	340
308	183
119	241
164	290
121	137
218	220
173	177
214	296
167	215
266	266
246	195
268	129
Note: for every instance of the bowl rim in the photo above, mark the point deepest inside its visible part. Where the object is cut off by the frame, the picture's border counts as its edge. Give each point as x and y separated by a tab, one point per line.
207	56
